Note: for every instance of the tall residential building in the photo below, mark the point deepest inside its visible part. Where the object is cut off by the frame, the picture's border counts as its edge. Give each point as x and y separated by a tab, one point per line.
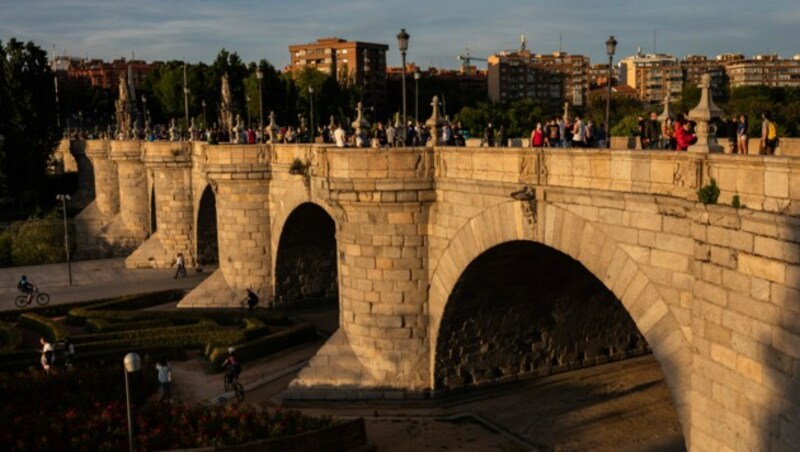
770	70
353	63
554	78
652	75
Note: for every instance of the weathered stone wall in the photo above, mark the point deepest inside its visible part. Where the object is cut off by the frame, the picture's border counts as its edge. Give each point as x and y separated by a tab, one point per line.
746	330
104	176
305	269
521	310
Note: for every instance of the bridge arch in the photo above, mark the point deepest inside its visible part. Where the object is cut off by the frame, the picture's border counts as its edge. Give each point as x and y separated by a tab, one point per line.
206	228
305	266
579	239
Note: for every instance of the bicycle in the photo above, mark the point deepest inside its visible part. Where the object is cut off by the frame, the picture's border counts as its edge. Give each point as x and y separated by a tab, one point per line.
232	384
26	299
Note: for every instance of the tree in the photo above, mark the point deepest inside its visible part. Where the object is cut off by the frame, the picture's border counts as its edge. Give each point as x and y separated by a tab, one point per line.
27	121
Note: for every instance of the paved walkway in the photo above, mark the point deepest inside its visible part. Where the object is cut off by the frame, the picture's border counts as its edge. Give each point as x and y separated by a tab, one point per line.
93	280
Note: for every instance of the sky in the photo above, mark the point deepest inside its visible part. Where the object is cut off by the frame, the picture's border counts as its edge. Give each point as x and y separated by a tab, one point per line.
195	30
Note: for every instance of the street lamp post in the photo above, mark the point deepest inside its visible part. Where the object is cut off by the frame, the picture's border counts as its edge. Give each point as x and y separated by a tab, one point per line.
260	77
611	47
203	103
80	123
185	97
247	98
132	363
64	199
417	76
311	111
402	44
144	107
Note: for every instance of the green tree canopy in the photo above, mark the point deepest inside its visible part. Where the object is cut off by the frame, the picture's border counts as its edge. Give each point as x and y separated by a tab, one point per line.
27	121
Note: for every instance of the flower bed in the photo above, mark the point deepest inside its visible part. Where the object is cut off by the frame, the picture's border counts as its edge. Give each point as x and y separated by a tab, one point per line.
85	410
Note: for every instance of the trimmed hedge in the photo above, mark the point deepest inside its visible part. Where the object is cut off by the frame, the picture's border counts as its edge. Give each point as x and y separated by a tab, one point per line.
263	346
10	337
116	308
60	310
53	331
104	326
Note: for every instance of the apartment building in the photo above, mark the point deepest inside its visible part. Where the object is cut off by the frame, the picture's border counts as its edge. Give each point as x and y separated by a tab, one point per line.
555	77
351	63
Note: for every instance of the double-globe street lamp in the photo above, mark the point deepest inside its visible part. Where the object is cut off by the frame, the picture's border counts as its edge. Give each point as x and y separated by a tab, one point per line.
402	44
611	47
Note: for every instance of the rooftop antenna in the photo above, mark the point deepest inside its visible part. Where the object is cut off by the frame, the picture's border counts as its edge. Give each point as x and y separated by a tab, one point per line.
523	44
559	43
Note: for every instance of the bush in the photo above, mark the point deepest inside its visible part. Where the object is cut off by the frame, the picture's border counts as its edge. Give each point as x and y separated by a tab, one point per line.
10	337
35	241
709	194
52	330
628	127
104	326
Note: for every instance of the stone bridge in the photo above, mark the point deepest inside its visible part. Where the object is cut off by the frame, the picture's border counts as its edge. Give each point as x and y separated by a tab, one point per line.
463	267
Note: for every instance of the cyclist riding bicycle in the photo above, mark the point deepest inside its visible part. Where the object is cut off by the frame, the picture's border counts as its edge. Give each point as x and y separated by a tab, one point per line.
26	287
232	366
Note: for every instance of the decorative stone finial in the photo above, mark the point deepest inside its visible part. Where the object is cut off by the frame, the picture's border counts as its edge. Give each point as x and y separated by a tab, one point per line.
360	125
272	127
702	114
667	113
566	111
435	122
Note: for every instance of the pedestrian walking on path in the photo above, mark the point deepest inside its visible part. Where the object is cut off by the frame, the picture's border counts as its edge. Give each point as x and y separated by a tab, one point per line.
164	379
181	264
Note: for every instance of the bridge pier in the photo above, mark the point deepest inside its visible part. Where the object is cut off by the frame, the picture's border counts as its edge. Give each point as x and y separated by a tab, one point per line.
83	165
382	344
169	164
133	209
240	178
96	235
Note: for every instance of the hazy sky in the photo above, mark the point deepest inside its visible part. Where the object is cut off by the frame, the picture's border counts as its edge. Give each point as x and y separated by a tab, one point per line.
195	30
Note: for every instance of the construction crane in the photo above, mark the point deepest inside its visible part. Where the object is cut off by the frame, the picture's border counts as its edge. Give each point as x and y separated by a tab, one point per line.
466	59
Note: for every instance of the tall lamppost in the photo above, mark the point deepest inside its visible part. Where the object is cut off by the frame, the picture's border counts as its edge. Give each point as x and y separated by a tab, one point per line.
185	97
247	98
144	107
132	363
402	44
611	47
80	123
417	76
64	198
311	111
260	77
203	103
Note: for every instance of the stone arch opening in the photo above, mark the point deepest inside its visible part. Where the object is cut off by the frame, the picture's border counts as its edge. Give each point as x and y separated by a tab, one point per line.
523	309
600	254
207	244
153	222
306	264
